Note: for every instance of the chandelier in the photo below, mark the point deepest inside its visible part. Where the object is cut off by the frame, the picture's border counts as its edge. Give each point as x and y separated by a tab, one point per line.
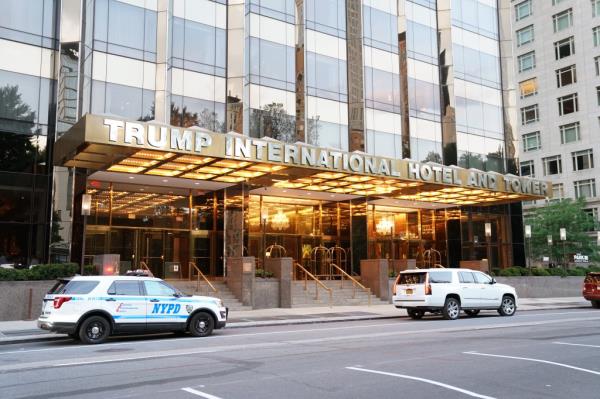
280	221
385	226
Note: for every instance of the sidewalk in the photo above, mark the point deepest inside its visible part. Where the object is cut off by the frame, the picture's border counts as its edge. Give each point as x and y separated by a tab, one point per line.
12	332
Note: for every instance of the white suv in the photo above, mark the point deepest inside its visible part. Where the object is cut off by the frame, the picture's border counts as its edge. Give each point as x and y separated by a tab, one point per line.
91	308
450	290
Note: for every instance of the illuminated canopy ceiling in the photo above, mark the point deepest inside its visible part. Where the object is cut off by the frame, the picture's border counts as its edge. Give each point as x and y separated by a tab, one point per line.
85	146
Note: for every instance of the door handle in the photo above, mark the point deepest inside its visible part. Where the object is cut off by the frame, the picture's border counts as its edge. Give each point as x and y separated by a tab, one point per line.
153	300
110	300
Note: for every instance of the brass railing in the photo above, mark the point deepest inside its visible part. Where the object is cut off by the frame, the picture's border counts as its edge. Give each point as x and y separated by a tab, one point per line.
201	275
355	282
145	267
308	275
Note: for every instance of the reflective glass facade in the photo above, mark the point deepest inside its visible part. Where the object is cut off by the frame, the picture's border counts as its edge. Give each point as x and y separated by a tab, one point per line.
353	75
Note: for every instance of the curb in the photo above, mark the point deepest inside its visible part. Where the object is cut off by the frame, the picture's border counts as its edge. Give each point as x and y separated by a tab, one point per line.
269	323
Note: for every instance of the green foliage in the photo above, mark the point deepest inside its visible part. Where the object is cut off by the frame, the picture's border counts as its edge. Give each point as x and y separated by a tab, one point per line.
44	272
392	274
548	220
538	271
263	273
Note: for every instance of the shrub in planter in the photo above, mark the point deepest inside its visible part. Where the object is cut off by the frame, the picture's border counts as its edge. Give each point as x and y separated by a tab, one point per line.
537	271
263	273
40	272
510	272
557	271
578	271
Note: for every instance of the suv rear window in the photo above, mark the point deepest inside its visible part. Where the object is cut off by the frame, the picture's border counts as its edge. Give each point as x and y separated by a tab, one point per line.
75	287
412	278
593	278
440	277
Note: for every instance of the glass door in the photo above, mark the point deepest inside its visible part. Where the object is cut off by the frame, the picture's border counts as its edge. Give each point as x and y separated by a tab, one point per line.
151	247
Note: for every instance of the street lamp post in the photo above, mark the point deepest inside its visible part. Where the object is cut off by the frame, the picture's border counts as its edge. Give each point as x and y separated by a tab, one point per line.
563	238
86	207
488	239
528	237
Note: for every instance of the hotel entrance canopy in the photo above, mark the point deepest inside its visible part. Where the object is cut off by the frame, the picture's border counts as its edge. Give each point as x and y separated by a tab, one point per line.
104	143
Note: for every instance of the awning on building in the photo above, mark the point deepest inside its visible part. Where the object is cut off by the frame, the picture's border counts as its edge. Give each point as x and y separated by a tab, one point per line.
103	143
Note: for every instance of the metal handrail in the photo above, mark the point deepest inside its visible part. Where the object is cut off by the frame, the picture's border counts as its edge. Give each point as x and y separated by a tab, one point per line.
144	266
355	283
200	274
318	283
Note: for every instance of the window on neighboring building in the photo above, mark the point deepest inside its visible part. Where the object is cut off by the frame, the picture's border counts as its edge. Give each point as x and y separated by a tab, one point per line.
568	104
552	165
583	159
526	61
585	188
597	64
529	114
595	8
569	133
596	36
532	141
563	20
558	192
528	87
525	35
566	76
527	168
564	48
555	2
593	214
523	10
598	94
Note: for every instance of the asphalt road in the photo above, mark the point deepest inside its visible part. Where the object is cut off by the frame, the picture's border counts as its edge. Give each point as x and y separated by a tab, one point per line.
541	354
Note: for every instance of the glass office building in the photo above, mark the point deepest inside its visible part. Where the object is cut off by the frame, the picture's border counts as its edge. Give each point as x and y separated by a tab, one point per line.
116	94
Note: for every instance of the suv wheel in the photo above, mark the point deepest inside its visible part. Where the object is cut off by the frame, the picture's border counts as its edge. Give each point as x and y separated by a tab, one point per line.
201	324
596	304
416	314
451	309
94	330
472	312
508	306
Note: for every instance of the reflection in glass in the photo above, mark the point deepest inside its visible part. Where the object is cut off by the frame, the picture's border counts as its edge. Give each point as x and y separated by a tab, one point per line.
124	101
198	47
188	111
30	21
326	77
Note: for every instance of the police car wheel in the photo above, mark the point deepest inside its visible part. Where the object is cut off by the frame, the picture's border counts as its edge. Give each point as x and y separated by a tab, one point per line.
94	330
201	324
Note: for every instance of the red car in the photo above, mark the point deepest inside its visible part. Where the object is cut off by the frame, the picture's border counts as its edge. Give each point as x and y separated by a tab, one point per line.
591	289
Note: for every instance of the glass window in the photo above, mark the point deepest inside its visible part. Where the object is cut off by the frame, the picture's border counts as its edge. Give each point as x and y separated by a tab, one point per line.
326	77
124	287
527	168
523	10
558	192
528	87
525	35
564	48
529	114
77	287
566	76
327	16
198	47
552	165
124	29
526	61
440	277
124	101
585	188
158	288
272	64
188	111
568	104
482	278
382	90
326	134
30	22
555	2
569	133
595	8
380	29
598	94
597	65
532	141
283	10
421	42
424	99
562	20
583	160
412	278
596	36
466	277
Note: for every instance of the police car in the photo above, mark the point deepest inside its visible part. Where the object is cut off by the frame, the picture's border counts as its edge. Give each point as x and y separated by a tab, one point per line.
91	308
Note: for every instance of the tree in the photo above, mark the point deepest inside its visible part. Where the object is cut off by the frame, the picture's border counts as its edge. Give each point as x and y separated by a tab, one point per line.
206	118
434	157
548	220
312	130
273	121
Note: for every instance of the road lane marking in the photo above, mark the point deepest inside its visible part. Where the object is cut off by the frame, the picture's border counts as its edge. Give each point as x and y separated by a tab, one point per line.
568	366
131	358
425	380
572	344
200	393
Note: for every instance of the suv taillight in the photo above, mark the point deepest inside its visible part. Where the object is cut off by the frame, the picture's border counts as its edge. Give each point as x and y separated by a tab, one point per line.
60	300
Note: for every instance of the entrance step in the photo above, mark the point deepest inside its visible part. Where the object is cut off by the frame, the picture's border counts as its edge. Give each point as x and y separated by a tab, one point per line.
201	288
341	296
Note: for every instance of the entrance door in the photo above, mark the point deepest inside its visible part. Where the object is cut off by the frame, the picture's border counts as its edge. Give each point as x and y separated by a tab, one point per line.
152	251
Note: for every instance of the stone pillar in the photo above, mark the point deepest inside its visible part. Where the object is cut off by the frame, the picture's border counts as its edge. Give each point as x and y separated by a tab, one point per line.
283	269
240	278
374	273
